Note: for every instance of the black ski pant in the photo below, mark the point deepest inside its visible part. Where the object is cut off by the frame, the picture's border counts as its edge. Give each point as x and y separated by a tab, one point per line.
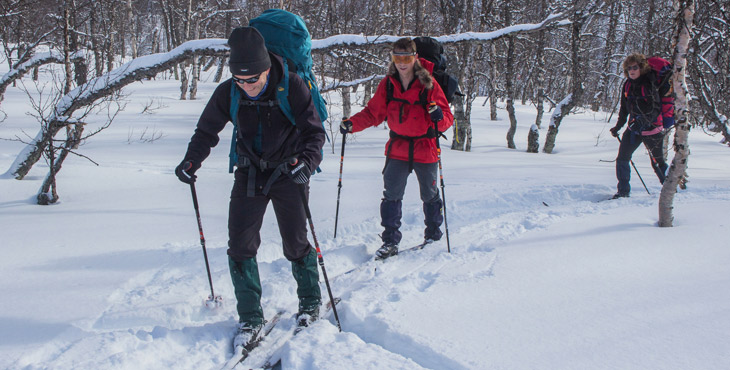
245	217
630	141
246	214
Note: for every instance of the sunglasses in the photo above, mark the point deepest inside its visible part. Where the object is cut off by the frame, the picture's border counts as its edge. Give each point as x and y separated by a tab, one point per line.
634	67
403	58
250	80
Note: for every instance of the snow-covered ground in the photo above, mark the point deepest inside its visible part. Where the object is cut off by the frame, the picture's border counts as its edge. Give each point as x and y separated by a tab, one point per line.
541	275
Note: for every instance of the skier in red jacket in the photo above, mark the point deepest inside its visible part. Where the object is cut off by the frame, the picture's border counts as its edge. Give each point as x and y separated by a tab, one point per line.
417	112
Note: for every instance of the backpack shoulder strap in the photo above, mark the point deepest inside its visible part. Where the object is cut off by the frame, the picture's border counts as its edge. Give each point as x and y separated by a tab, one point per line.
282	93
235	102
388	91
422	96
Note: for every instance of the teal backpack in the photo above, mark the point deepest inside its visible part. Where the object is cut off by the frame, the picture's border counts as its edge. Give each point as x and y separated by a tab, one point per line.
286	35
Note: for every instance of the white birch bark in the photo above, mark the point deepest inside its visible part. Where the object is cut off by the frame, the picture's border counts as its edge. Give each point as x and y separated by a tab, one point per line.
684	20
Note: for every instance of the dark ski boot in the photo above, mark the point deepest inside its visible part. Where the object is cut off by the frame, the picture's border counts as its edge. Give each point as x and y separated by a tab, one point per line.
387	250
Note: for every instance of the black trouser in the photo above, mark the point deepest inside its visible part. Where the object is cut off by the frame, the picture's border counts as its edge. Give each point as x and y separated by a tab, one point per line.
395	176
245	217
630	141
246	214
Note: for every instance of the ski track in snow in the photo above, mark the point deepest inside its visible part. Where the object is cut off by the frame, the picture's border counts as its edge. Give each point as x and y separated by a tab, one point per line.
149	316
153	315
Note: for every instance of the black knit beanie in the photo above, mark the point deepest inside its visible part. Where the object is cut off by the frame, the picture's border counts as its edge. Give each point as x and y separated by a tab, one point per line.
248	52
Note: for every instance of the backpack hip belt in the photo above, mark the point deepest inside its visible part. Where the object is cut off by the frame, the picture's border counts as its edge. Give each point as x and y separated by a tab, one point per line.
411	146
261	165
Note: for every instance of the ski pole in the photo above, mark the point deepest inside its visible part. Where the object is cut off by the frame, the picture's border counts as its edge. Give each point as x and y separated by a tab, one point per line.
339	183
213	300
637	171
441	177
303	194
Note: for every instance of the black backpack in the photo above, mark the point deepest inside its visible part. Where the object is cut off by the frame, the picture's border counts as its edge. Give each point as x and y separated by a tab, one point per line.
430	49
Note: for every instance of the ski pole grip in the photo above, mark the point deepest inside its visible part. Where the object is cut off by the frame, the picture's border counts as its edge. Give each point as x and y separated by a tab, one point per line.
432	107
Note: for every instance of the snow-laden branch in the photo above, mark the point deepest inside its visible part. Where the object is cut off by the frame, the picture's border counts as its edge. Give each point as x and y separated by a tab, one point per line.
339	84
355	40
558	112
53	56
708	64
150	65
106	85
143	67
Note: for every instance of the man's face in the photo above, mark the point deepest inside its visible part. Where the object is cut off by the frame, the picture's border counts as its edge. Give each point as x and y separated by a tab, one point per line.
252	88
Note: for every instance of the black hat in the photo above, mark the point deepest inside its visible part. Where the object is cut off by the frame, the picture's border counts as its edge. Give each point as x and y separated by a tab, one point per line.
248	52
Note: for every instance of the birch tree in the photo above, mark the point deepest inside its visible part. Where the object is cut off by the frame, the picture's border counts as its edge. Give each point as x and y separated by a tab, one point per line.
509	76
685	10
573	99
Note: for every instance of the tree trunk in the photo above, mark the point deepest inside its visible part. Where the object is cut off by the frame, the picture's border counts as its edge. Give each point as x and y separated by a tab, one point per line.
539	73
576	83
367	92
48	193
418	29
540	78
561	110
509	76
68	75
650	48
533	140
194	78
183	81
512	124
346	102
462	128
95	43
197	61
493	83
684	20
601	97
219	70
81	69
132	29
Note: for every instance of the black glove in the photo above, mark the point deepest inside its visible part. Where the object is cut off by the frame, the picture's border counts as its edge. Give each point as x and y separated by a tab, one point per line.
435	111
345	126
185	171
614	131
300	172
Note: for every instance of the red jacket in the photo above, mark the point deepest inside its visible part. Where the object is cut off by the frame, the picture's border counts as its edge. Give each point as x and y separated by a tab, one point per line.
414	121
